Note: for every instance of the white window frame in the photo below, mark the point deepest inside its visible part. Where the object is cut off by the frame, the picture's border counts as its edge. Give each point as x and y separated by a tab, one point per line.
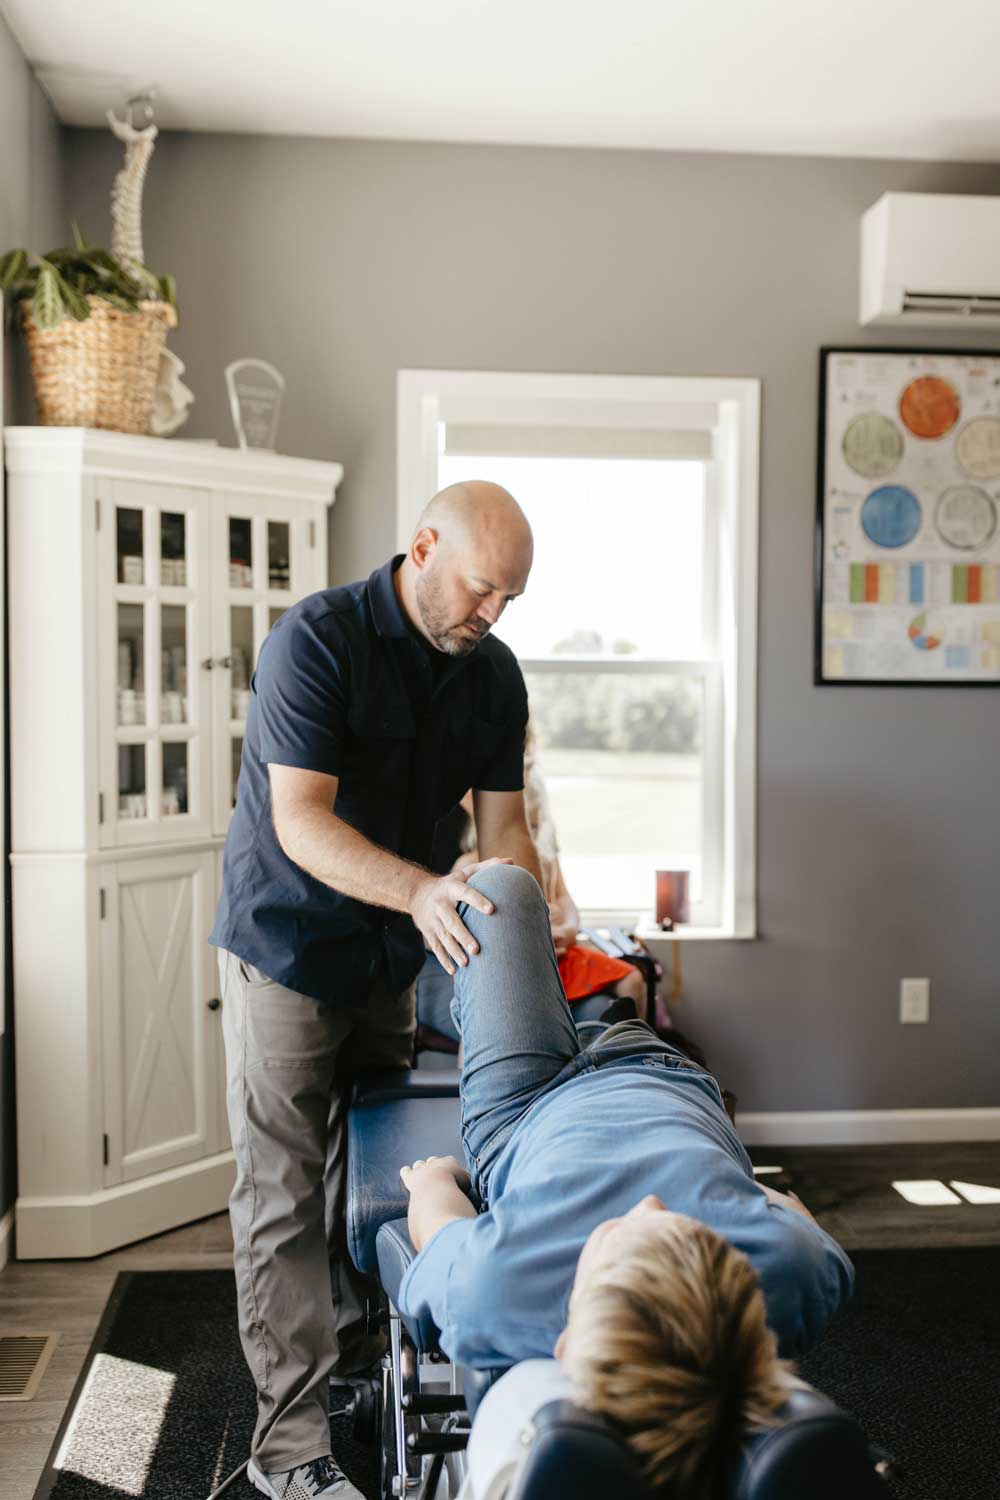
729	411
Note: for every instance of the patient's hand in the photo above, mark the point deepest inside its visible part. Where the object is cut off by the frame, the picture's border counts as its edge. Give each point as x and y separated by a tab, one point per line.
437	1187
787	1200
433	1168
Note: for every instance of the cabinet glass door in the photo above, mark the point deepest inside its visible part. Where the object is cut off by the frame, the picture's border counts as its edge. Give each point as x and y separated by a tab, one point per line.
156	718
266	554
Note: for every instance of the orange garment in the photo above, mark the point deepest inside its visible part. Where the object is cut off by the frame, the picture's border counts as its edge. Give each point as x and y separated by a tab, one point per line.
585	971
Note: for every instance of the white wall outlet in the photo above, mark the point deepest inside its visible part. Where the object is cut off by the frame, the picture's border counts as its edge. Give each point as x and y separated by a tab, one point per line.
914	1000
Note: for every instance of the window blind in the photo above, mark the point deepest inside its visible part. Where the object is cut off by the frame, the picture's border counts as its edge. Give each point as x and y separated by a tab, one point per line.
523	441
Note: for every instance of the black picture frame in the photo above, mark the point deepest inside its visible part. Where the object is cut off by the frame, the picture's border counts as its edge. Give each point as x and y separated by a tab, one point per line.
862	350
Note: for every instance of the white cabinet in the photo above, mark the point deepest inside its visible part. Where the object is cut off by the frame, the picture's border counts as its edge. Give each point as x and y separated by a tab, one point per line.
144	575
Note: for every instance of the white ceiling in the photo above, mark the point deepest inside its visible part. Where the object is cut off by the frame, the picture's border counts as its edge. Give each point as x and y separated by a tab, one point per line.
902	78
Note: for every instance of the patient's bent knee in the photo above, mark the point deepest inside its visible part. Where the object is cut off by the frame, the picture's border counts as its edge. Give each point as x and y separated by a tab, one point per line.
509	887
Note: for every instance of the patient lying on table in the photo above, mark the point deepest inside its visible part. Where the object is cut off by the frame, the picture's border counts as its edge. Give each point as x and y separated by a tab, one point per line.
622	1230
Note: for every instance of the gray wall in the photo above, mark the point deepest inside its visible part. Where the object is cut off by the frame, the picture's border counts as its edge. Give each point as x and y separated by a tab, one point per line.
31	215
344	261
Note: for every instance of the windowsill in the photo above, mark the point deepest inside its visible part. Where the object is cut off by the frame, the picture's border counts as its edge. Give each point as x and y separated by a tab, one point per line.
693	934
644	928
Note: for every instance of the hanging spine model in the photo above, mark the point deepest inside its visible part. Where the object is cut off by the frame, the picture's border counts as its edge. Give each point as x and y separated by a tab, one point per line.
126	194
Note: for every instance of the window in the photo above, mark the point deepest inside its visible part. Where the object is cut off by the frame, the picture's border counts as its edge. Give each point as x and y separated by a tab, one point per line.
636	633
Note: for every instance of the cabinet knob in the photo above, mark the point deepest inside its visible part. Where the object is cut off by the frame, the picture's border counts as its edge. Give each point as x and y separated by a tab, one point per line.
208	664
214	1004
223	661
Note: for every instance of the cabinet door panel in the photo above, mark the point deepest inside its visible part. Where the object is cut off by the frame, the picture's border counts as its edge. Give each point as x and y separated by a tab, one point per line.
159	1045
266	553
154	685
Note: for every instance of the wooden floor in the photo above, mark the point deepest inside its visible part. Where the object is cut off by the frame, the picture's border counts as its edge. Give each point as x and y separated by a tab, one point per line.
848	1188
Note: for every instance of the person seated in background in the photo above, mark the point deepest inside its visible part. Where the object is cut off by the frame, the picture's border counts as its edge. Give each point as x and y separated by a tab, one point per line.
592	981
621	1230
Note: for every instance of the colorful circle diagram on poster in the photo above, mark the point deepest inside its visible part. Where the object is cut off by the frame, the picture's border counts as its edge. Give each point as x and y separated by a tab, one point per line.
929	406
891	516
873	445
977	448
924	637
966	517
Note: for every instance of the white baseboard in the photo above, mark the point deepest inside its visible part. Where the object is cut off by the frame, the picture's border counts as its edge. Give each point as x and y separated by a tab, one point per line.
868	1127
6	1236
59	1228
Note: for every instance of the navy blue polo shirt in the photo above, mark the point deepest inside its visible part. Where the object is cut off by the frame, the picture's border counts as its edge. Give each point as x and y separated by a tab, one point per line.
346	686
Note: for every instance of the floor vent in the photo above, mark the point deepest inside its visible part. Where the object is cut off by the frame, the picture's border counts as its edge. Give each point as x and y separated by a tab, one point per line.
23	1357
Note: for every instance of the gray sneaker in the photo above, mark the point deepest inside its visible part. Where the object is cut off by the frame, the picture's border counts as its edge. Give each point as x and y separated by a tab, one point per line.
320	1477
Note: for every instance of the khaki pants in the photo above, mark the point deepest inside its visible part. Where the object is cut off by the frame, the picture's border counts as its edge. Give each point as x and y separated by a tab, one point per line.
289	1064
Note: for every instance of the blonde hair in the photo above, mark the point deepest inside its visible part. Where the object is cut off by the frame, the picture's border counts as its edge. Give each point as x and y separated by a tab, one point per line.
667	1337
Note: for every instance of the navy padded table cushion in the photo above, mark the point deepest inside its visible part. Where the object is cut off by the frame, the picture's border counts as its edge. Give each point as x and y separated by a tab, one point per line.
406	1083
818	1451
395	1254
395	1118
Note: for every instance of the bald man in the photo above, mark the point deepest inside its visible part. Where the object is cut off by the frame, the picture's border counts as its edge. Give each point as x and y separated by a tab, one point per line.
374	708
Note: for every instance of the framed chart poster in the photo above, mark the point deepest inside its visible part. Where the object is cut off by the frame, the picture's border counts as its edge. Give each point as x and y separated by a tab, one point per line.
907	535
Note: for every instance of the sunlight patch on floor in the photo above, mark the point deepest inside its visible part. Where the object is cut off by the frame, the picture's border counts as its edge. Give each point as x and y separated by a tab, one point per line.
132	1401
926	1192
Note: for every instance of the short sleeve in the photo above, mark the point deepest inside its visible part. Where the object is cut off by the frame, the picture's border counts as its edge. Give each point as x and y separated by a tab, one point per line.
301	691
502	758
806	1277
423	1291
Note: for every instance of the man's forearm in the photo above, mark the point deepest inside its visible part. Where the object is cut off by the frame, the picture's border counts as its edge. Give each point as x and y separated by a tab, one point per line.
434	1203
335	853
516	844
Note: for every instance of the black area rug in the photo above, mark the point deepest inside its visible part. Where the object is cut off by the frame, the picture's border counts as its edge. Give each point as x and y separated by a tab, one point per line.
915	1356
167	1411
165	1405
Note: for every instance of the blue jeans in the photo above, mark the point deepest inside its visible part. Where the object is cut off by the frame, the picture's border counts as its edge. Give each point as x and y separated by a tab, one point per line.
435	989
518	1036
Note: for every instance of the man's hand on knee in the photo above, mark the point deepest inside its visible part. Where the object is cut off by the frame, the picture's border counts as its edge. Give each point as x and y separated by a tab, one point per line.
433	909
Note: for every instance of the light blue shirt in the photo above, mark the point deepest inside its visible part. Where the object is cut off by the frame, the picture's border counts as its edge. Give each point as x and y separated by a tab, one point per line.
497	1286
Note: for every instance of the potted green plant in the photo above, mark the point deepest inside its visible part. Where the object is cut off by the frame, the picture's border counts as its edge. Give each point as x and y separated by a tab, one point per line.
59	284
95	331
96	320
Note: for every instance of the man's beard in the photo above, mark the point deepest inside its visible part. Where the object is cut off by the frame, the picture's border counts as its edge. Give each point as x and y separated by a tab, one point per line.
446	637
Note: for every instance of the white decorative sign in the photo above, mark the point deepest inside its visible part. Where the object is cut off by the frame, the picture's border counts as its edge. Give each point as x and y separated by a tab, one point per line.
255	392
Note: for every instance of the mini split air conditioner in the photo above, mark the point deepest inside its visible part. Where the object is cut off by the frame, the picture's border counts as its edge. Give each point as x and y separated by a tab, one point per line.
931	260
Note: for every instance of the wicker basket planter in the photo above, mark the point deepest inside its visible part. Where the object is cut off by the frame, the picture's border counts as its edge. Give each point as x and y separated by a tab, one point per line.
101	372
